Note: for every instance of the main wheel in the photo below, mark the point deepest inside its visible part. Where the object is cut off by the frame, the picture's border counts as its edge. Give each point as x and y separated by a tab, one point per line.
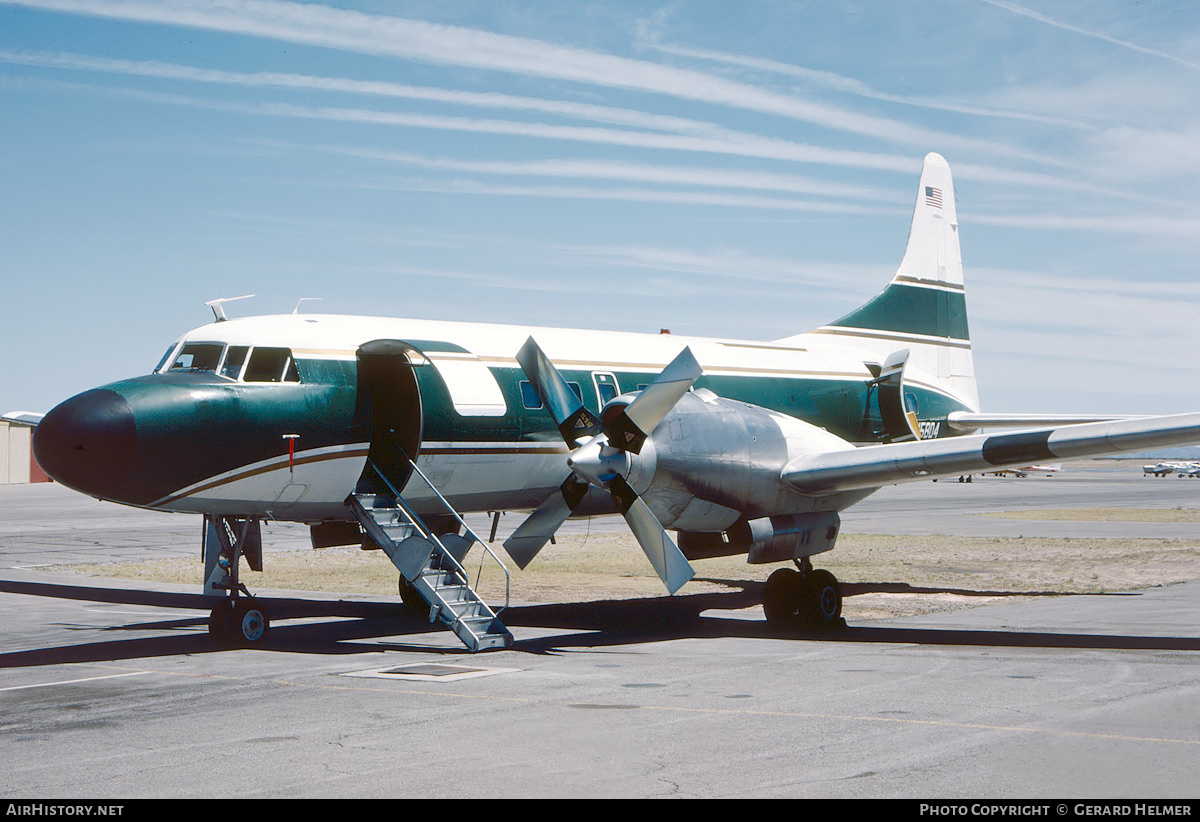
822	600
413	602
782	598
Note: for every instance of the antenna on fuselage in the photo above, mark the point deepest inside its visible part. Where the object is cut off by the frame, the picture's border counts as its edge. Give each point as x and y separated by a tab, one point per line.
296	310
218	306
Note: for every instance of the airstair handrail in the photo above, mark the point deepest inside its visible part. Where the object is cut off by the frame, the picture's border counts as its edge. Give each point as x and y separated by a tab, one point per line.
432	536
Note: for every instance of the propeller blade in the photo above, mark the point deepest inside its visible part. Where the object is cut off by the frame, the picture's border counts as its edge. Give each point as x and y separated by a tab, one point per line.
670	563
629	429
574	421
626	431
537	529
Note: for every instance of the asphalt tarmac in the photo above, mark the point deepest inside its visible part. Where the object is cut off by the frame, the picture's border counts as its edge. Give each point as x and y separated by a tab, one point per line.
112	690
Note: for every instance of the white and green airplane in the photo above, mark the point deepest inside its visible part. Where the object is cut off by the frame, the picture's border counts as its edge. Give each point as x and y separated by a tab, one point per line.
382	431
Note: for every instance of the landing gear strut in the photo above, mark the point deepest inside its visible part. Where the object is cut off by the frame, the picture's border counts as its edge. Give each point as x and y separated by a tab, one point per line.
803	598
239	619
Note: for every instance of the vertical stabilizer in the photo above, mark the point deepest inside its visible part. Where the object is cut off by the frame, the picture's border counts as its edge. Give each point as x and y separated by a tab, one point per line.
924	307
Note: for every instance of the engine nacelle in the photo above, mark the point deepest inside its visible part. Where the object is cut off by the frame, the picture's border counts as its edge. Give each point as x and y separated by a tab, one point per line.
714	462
768	539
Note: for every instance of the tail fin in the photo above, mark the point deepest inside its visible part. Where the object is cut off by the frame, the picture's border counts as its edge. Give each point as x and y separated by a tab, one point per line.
924	306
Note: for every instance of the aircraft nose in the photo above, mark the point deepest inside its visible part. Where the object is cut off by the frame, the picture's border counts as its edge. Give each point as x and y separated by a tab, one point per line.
89	443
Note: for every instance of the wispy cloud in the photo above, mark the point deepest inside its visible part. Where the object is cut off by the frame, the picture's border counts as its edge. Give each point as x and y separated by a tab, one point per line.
473	48
496	100
1125	44
651	132
850	85
625	172
628	194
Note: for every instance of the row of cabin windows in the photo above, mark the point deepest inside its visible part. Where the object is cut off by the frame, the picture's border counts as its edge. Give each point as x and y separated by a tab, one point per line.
267	364
606	389
257	364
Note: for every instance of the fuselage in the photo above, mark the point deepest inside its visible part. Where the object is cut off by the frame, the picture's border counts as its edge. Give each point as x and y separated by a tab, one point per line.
267	416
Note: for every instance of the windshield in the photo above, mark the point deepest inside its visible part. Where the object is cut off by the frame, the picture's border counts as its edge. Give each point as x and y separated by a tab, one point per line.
238	362
198	357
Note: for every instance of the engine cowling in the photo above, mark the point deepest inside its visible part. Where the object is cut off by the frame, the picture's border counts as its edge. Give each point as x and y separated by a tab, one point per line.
712	469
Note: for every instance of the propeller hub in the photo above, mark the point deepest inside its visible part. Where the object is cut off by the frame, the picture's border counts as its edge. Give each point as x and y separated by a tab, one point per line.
598	463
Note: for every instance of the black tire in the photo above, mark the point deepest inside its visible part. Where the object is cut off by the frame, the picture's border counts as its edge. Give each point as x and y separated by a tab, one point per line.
220	622
413	602
822	600
782	598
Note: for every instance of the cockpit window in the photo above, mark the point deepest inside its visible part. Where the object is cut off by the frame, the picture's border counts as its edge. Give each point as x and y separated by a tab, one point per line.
163	362
198	357
271	365
239	361
234	360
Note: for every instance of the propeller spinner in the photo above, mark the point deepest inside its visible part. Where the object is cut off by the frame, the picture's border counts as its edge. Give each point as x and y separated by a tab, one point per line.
600	458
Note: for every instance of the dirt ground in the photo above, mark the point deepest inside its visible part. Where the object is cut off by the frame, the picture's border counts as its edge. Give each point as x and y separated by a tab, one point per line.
881	576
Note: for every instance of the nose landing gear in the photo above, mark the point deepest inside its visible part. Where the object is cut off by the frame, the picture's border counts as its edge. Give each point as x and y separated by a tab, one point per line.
239	619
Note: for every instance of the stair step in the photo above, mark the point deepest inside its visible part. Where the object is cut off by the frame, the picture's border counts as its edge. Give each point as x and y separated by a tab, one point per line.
489	641
456	595
452	600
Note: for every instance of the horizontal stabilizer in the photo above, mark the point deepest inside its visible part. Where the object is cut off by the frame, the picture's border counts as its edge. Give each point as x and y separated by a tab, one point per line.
874	466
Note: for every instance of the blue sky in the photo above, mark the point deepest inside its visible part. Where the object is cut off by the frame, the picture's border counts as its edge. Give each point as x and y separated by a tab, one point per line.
730	169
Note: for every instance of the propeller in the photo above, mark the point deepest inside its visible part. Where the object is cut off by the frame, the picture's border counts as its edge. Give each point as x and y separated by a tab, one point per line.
600	458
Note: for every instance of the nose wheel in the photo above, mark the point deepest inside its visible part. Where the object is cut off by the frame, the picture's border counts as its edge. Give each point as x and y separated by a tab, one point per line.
238	622
803	599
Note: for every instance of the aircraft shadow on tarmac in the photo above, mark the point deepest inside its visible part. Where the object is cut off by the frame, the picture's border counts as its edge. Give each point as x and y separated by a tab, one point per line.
349	627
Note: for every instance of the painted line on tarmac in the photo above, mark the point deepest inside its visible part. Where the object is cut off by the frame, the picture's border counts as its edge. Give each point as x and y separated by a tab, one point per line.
75	681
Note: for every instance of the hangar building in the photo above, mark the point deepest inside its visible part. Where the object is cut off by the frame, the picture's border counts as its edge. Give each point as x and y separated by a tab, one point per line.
17	464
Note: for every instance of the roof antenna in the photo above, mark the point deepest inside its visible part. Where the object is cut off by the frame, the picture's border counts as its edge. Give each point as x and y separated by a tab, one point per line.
218	306
296	310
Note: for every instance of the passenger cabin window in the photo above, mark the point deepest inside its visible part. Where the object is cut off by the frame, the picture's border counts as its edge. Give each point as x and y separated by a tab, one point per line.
529	395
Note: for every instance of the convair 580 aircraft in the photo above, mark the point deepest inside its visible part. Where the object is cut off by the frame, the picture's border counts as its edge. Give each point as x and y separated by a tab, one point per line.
380	431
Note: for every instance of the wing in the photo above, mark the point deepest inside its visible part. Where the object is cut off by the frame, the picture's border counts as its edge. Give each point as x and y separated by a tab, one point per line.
969	421
877	465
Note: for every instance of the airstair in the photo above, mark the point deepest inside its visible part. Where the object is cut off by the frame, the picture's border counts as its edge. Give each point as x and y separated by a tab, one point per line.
432	565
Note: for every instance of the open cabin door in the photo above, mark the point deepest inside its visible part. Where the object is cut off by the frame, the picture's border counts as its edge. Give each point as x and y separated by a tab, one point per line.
898	420
389	400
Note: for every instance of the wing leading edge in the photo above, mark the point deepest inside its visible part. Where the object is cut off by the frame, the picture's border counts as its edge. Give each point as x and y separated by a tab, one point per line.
878	465
974	421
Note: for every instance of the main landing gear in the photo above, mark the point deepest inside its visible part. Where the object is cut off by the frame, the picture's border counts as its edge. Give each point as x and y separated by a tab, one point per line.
238	620
803	598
